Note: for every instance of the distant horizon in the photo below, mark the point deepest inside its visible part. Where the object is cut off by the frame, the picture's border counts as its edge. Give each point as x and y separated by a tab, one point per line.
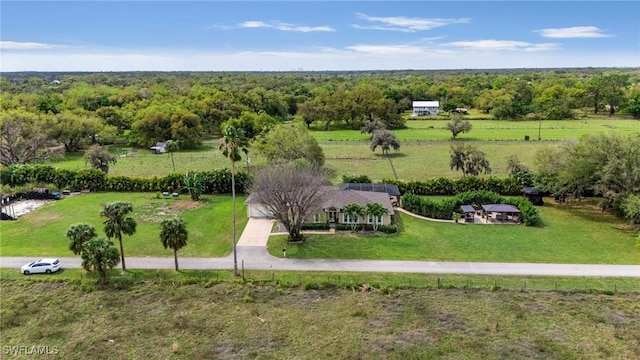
288	36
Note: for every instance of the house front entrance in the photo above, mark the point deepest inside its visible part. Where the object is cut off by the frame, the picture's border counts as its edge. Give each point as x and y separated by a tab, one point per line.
333	216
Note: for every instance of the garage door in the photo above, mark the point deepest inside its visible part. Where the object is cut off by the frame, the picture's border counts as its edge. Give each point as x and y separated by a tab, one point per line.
257	211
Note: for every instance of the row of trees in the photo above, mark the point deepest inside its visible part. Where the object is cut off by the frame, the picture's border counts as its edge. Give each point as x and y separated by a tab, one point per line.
94	108
99	253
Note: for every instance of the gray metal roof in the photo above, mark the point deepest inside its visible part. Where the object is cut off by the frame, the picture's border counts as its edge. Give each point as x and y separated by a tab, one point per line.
500	208
390	189
467	209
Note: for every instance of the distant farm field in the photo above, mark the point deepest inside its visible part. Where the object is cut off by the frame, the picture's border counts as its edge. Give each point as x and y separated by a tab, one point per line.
424	151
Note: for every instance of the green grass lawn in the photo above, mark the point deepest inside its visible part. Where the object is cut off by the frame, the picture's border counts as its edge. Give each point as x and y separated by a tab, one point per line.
493	130
170	320
42	232
569	235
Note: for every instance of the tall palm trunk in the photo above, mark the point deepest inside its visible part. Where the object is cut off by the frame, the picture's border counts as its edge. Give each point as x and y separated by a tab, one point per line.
173	163
175	258
233	214
124	268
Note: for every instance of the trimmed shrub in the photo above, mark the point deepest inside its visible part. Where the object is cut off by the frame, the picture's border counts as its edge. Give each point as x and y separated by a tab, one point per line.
315	226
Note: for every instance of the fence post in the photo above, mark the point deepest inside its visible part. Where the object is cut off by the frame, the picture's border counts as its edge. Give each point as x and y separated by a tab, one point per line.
439	283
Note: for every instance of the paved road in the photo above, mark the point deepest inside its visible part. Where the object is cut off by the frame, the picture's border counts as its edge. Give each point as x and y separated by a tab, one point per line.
257	258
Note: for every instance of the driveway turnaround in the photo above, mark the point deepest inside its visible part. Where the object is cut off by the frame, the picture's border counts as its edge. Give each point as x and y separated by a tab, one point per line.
257	258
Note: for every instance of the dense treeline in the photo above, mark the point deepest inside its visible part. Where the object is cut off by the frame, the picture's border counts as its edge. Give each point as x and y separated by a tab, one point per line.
77	109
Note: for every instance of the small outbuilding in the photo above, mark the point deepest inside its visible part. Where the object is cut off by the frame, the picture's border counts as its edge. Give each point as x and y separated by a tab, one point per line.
503	212
468	212
159	148
534	195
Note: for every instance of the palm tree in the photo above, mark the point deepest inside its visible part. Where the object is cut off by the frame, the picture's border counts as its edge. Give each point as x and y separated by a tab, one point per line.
171	146
386	140
232	144
354	211
194	183
173	234
118	223
99	254
79	235
375	210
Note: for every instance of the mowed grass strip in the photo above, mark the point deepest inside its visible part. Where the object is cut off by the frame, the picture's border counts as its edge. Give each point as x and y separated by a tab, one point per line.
170	321
487	130
569	235
42	232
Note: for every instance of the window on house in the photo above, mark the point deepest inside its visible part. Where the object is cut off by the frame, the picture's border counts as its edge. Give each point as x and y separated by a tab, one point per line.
316	218
369	219
379	221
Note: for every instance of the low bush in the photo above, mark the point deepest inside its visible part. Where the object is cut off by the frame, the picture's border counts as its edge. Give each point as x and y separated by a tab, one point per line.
315	226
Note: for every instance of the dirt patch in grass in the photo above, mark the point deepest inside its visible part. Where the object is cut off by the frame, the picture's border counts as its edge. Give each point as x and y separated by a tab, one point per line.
155	213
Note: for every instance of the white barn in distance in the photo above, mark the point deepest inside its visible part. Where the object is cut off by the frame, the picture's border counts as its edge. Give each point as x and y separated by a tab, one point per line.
426	108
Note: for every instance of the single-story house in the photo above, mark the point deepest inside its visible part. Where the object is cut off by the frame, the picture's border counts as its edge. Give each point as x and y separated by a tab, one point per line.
159	148
421	108
332	207
391	189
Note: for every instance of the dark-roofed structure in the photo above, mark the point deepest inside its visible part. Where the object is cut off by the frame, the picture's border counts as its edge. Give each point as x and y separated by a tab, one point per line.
333	204
469	212
534	195
391	189
503	210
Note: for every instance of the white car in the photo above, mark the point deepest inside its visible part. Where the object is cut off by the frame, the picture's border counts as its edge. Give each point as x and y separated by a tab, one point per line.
46	266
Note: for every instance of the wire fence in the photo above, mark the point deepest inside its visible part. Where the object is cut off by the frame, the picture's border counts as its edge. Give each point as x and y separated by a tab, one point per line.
354	281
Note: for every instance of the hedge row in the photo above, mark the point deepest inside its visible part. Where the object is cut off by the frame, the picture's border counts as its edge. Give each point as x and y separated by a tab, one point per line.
216	182
444	209
387	229
445	187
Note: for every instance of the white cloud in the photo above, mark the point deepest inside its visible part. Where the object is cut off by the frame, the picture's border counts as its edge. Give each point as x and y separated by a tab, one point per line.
405	24
573	32
253	24
501	45
283	26
15	45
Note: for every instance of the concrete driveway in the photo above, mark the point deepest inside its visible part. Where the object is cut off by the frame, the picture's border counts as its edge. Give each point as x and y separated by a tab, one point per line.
256	233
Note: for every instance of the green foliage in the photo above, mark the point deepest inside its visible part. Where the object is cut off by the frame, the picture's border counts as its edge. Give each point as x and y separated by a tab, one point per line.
253	124
118	222
215	182
445	209
354	211
290	142
99	254
358	179
469	160
315	226
79	234
158	123
194	184
99	158
458	125
631	208
173	234
24	138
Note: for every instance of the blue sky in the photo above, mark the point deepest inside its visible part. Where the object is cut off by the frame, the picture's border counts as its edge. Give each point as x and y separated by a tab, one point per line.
308	35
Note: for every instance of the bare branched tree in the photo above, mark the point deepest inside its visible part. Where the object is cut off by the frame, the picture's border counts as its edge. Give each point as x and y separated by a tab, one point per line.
290	194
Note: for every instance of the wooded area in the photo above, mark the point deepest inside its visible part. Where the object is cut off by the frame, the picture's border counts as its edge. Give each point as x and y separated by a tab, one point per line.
79	109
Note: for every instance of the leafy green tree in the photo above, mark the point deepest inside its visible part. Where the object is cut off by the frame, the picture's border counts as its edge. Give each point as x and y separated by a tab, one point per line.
171	146
354	212
23	138
194	183
555	103
118	222
232	144
289	142
386	140
631	208
98	157
75	131
252	124
375	210
173	234
458	125
612	88
99	254
469	160
167	121
79	234
633	105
